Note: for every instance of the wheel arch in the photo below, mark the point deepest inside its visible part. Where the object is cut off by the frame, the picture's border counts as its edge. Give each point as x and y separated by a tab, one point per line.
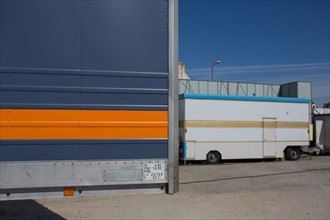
217	153
292	147
293	152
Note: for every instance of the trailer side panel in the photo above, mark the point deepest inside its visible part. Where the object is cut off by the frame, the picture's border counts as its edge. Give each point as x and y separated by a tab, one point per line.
85	97
240	127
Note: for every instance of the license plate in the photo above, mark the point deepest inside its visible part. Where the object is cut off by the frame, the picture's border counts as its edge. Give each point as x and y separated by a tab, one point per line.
153	171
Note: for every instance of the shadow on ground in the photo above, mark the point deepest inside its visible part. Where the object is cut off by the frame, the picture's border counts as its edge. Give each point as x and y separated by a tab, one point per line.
256	176
26	209
237	161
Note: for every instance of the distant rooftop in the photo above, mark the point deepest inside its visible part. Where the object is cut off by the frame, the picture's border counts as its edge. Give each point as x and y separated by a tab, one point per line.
292	89
288	90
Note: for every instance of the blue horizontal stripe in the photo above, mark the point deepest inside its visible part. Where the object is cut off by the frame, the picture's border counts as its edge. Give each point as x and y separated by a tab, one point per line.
120	149
244	98
83	106
64	89
80	72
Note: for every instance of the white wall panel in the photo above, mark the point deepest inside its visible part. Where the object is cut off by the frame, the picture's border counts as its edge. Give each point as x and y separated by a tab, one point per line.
292	134
248	150
224	134
228	110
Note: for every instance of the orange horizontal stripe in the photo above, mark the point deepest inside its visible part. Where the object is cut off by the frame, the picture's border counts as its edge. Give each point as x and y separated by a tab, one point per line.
85	124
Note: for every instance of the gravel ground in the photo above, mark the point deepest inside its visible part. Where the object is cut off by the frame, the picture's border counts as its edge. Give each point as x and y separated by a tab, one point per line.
233	190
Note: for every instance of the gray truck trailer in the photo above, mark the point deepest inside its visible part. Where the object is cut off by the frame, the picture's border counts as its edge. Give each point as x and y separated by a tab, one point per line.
88	98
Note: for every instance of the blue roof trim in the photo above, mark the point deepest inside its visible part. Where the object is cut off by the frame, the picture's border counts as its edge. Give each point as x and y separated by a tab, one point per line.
244	98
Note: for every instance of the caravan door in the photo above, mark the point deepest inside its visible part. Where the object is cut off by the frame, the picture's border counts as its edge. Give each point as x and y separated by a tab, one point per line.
269	137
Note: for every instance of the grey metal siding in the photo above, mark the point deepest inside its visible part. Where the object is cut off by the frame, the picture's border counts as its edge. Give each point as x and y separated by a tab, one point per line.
125	35
84	54
42	34
44	150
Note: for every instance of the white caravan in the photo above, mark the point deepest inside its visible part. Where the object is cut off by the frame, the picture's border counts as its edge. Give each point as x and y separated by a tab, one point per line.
217	127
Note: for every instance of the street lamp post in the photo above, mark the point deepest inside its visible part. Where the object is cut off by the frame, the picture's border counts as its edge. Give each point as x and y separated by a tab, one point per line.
215	63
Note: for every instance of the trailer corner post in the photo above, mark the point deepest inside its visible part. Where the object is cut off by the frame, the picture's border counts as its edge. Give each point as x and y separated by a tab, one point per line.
173	141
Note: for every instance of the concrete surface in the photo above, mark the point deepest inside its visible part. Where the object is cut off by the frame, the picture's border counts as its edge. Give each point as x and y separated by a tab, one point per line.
244	190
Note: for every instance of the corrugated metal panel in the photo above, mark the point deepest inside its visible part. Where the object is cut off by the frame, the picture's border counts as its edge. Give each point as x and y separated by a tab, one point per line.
43	150
40	34
43	124
296	89
125	35
84	55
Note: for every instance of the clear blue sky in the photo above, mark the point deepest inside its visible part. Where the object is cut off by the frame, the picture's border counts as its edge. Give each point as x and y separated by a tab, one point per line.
258	41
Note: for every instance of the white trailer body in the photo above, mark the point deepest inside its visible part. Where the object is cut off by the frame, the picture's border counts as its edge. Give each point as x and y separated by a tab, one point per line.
242	127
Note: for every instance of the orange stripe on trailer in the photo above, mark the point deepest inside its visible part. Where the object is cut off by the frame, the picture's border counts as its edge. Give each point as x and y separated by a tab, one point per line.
19	124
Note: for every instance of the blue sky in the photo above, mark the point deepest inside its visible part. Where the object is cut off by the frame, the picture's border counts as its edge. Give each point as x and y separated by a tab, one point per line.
258	41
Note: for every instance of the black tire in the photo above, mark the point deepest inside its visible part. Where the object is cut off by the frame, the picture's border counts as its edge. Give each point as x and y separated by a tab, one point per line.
316	153
213	157
292	154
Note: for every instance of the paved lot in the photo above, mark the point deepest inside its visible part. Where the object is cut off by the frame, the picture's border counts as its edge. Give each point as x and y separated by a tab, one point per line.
244	190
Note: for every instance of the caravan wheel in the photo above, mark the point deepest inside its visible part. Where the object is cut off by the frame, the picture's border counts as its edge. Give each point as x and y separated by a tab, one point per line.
213	157
292	154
